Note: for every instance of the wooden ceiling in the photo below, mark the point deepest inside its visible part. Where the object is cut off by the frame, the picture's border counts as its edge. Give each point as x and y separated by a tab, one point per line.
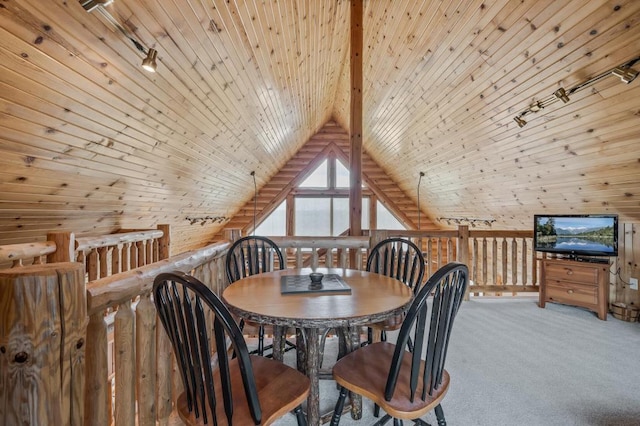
92	143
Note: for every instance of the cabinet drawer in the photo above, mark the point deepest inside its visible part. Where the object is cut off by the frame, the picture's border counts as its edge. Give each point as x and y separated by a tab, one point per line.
583	274
565	292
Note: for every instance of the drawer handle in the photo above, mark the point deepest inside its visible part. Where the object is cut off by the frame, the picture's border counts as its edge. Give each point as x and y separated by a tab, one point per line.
570	291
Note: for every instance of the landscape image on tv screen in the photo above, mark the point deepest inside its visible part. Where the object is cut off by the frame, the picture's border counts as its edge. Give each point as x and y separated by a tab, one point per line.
576	234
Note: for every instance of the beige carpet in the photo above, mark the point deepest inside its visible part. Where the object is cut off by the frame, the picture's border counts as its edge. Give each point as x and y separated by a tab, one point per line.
512	363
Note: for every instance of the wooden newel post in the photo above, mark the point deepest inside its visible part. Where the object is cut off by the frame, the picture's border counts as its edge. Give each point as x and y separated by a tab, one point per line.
43	320
463	249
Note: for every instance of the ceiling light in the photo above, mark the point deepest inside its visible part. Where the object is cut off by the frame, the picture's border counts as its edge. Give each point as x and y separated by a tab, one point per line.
562	95
520	121
89	5
149	63
626	75
536	106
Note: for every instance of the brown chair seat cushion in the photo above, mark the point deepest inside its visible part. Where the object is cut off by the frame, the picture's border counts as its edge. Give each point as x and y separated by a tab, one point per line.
276	383
355	372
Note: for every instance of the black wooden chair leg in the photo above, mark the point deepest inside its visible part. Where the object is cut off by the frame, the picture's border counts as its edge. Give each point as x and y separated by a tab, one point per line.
383	420
337	411
261	341
302	420
440	416
376	410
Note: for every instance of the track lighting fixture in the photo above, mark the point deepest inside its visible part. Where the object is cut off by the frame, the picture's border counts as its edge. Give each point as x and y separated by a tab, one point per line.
624	72
467	220
626	75
149	63
520	121
562	95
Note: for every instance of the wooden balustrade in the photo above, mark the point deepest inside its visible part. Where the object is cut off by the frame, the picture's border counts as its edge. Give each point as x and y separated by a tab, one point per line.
499	261
331	251
16	255
143	368
502	261
115	253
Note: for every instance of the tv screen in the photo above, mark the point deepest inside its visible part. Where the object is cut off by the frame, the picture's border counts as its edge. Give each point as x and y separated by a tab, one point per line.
576	235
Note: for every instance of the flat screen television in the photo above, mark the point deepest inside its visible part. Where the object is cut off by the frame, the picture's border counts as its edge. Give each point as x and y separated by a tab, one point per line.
576	236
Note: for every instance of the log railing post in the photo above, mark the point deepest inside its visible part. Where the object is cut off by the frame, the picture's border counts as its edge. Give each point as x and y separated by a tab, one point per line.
65	247
145	360
463	249
43	320
232	234
97	403
164	243
125	367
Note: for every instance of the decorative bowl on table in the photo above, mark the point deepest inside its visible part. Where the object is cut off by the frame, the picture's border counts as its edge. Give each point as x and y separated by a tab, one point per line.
316	280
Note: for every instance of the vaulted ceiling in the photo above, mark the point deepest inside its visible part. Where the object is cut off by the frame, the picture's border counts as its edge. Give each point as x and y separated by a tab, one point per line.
91	142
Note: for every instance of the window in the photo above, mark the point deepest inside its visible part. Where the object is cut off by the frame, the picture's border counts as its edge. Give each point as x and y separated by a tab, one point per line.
312	216
275	225
324	216
386	219
321	207
318	178
342	175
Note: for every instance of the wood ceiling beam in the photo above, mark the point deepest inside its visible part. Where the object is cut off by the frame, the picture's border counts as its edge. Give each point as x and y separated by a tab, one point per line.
355	129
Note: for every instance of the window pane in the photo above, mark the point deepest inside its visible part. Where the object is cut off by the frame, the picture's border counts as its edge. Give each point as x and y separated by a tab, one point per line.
340	215
365	212
318	178
342	175
386	220
275	225
312	216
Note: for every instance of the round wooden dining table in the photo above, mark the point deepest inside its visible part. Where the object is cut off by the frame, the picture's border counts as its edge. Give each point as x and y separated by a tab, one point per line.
370	298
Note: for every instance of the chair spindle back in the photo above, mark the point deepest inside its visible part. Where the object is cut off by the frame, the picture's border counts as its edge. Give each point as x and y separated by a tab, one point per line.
398	258
448	286
252	255
180	301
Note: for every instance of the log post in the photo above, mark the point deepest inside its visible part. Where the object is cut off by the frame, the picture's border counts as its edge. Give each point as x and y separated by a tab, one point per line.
98	408
232	234
463	249
65	247
43	320
164	244
146	360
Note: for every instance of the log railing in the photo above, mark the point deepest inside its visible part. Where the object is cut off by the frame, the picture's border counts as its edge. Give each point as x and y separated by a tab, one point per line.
329	252
499	261
502	261
17	255
143	363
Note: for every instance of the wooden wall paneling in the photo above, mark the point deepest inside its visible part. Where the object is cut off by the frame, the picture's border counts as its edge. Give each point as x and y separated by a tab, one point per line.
629	247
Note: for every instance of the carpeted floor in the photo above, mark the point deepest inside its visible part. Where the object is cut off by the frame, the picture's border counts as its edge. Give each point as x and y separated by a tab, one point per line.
512	363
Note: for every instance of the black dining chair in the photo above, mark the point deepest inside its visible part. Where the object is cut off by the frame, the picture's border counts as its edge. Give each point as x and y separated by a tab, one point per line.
407	384
397	258
252	255
220	388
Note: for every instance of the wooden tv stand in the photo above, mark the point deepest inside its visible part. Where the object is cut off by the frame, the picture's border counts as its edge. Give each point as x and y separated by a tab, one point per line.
575	283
